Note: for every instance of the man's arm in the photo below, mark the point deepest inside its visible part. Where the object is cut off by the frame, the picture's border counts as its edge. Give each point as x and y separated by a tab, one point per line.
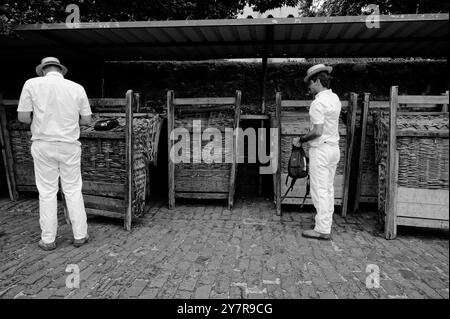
85	108
316	132
24	117
317	118
85	120
25	106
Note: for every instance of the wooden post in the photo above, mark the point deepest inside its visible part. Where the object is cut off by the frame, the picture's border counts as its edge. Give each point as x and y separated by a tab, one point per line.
129	160
278	172
8	160
233	173
351	126
445	106
362	142
263	108
137	99
171	167
390	226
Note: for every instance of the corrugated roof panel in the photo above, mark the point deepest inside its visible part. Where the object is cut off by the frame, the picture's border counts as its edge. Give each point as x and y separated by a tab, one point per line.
403	35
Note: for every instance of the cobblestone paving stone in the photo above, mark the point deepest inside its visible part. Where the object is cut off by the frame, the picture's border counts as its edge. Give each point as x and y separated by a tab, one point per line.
203	250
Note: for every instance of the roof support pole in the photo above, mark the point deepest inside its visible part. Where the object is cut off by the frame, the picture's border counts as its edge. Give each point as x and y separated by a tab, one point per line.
268	48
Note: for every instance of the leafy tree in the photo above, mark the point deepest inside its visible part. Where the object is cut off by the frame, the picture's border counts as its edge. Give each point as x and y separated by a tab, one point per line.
347	7
14	12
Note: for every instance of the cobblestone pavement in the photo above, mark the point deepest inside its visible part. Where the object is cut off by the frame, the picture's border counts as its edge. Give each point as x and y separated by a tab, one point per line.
203	250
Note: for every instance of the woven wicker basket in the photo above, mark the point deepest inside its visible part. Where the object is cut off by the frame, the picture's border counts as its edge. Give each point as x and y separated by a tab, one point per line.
102	157
423	160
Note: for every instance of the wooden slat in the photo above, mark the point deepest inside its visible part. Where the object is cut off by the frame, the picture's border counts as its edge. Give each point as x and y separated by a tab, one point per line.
423	196
422	210
7	154
204	100
124	114
190	180
428	134
129	161
422	99
392	169
93	102
102	135
254	117
362	143
100	212
27	188
350	140
202	195
105	203
107	102
308	201
171	165
445	105
278	104
419	222
305	103
198	108
234	165
103	189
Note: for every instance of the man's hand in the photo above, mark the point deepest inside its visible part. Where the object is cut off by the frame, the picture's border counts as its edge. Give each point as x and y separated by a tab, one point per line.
296	141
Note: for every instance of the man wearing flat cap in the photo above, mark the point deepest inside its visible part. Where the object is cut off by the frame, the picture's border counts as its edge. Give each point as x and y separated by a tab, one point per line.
59	107
324	154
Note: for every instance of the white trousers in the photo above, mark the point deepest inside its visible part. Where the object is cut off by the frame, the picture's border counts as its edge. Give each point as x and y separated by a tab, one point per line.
323	161
51	161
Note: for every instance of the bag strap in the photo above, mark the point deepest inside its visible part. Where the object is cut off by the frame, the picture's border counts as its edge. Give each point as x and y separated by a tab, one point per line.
291	187
308	188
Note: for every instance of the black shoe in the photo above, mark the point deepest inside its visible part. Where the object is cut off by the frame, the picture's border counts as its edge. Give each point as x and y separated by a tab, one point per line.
81	242
311	233
47	247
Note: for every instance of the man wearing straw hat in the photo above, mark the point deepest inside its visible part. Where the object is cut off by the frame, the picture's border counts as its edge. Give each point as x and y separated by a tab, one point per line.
59	107
324	154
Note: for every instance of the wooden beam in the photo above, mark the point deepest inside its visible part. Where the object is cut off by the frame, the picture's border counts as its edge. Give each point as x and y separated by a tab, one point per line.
351	126
277	175
171	167
362	143
129	161
204	101
422	99
8	159
254	117
445	105
233	173
392	167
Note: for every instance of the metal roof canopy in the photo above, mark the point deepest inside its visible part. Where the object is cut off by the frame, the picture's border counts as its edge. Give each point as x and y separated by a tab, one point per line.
411	35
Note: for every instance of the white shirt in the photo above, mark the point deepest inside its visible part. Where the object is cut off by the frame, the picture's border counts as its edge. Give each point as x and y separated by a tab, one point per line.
325	109
57	104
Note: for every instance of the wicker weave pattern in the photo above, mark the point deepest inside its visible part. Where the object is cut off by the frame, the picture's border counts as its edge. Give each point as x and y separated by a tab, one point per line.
102	160
423	161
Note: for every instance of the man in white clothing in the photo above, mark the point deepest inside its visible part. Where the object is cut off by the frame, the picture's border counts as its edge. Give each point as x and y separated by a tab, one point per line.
324	152
59	107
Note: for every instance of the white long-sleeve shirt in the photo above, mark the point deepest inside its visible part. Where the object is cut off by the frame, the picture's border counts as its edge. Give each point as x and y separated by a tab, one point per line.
57	104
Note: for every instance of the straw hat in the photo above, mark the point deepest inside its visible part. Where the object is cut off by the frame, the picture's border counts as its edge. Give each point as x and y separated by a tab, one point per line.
316	69
50	61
